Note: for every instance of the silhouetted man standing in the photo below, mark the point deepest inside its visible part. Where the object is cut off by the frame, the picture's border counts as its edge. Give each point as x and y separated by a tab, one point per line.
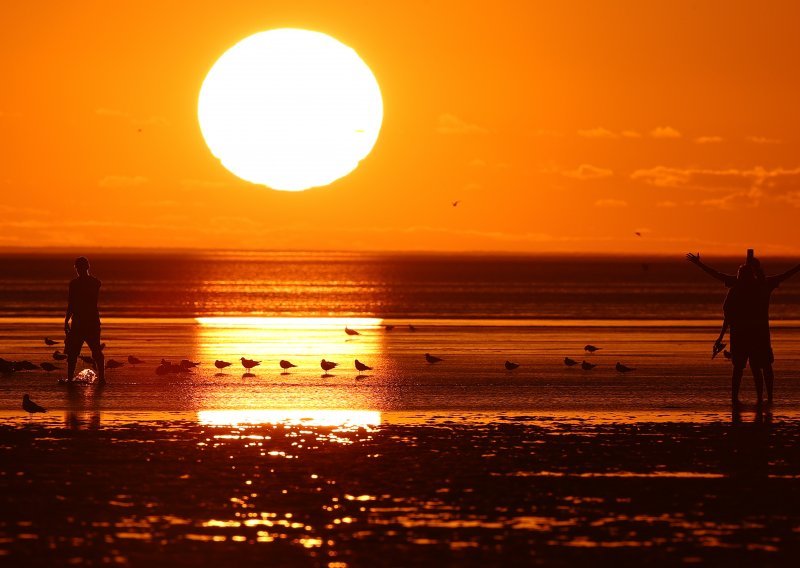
82	309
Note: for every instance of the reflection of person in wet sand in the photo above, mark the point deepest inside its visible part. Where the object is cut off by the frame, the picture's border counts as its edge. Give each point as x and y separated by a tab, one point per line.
751	303
85	325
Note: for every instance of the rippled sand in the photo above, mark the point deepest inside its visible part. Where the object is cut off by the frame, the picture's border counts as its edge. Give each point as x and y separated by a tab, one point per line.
419	489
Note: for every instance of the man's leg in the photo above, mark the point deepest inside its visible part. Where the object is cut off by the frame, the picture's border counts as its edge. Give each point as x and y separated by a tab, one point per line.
99	358
72	360
758	379
769	379
73	351
736	382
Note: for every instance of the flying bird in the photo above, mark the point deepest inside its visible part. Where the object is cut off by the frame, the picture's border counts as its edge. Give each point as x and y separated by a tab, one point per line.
286	365
249	364
48	341
29	406
570	362
591	348
362	367
623	368
134	360
221	364
349	331
114	364
48	367
637	233
432	359
456	202
586	366
59	356
511	366
328	365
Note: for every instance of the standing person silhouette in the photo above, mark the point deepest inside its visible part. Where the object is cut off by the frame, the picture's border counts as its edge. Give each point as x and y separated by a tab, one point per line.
760	308
82	310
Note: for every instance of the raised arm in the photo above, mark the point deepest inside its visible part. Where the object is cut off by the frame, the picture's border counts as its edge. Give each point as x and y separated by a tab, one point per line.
788	274
695	259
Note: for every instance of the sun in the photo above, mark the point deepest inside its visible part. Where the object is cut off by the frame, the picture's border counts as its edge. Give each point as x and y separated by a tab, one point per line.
290	109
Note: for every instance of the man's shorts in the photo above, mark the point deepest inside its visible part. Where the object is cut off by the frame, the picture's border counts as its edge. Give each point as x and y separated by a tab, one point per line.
78	334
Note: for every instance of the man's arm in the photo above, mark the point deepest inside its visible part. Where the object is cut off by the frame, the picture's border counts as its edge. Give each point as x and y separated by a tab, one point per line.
722	277
786	275
69	310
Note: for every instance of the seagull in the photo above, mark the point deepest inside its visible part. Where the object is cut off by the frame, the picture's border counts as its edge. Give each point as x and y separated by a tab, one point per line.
511	366
362	367
570	362
388	327
221	364
29	406
591	348
249	363
432	359
623	368
165	362
186	364
59	356
134	360
637	233
456	202
411	328
114	364
27	366
328	365
586	366
48	341
48	367
349	331
286	365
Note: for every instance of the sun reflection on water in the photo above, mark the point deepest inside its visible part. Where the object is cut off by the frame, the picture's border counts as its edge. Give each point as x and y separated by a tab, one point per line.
304	417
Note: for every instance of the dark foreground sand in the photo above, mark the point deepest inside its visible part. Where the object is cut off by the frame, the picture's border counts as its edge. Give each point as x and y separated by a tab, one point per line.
442	491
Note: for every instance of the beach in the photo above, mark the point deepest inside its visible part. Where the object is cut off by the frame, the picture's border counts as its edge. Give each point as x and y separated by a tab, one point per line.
457	463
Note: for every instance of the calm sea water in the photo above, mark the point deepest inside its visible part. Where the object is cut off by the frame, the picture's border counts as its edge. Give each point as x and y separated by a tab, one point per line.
379	285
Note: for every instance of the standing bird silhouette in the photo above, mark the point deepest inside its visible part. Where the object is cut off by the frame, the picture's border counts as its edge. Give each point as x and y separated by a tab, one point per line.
361	367
49	367
570	362
59	356
586	366
623	368
432	359
328	365
591	348
29	406
114	364
48	341
511	366
134	360
249	364
349	331
221	364
286	365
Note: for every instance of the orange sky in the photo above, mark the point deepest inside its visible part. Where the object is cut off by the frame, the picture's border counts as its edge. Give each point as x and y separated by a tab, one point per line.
561	126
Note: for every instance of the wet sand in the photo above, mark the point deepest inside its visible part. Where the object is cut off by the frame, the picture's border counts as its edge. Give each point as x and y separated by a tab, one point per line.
424	489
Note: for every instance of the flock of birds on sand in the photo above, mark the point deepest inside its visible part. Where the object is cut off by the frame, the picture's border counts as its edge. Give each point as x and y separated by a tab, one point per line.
186	365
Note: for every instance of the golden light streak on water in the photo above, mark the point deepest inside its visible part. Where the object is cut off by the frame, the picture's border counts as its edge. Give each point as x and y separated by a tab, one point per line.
302	417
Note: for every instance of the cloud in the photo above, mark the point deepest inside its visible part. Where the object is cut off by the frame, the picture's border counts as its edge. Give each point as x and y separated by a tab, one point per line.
746	186
587	171
708	140
599	132
610	203
451	124
122	181
763	140
666	204
664	132
630	134
545	133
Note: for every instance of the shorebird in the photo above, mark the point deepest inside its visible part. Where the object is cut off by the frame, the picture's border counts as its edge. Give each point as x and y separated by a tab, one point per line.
411	328
455	203
249	363
637	233
29	406
388	327
432	359
286	365
88	360
221	364
591	348
134	360
114	364
48	341
28	366
48	367
349	331
186	364
328	365
586	366
623	368
361	367
165	362
59	356
511	366
570	362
